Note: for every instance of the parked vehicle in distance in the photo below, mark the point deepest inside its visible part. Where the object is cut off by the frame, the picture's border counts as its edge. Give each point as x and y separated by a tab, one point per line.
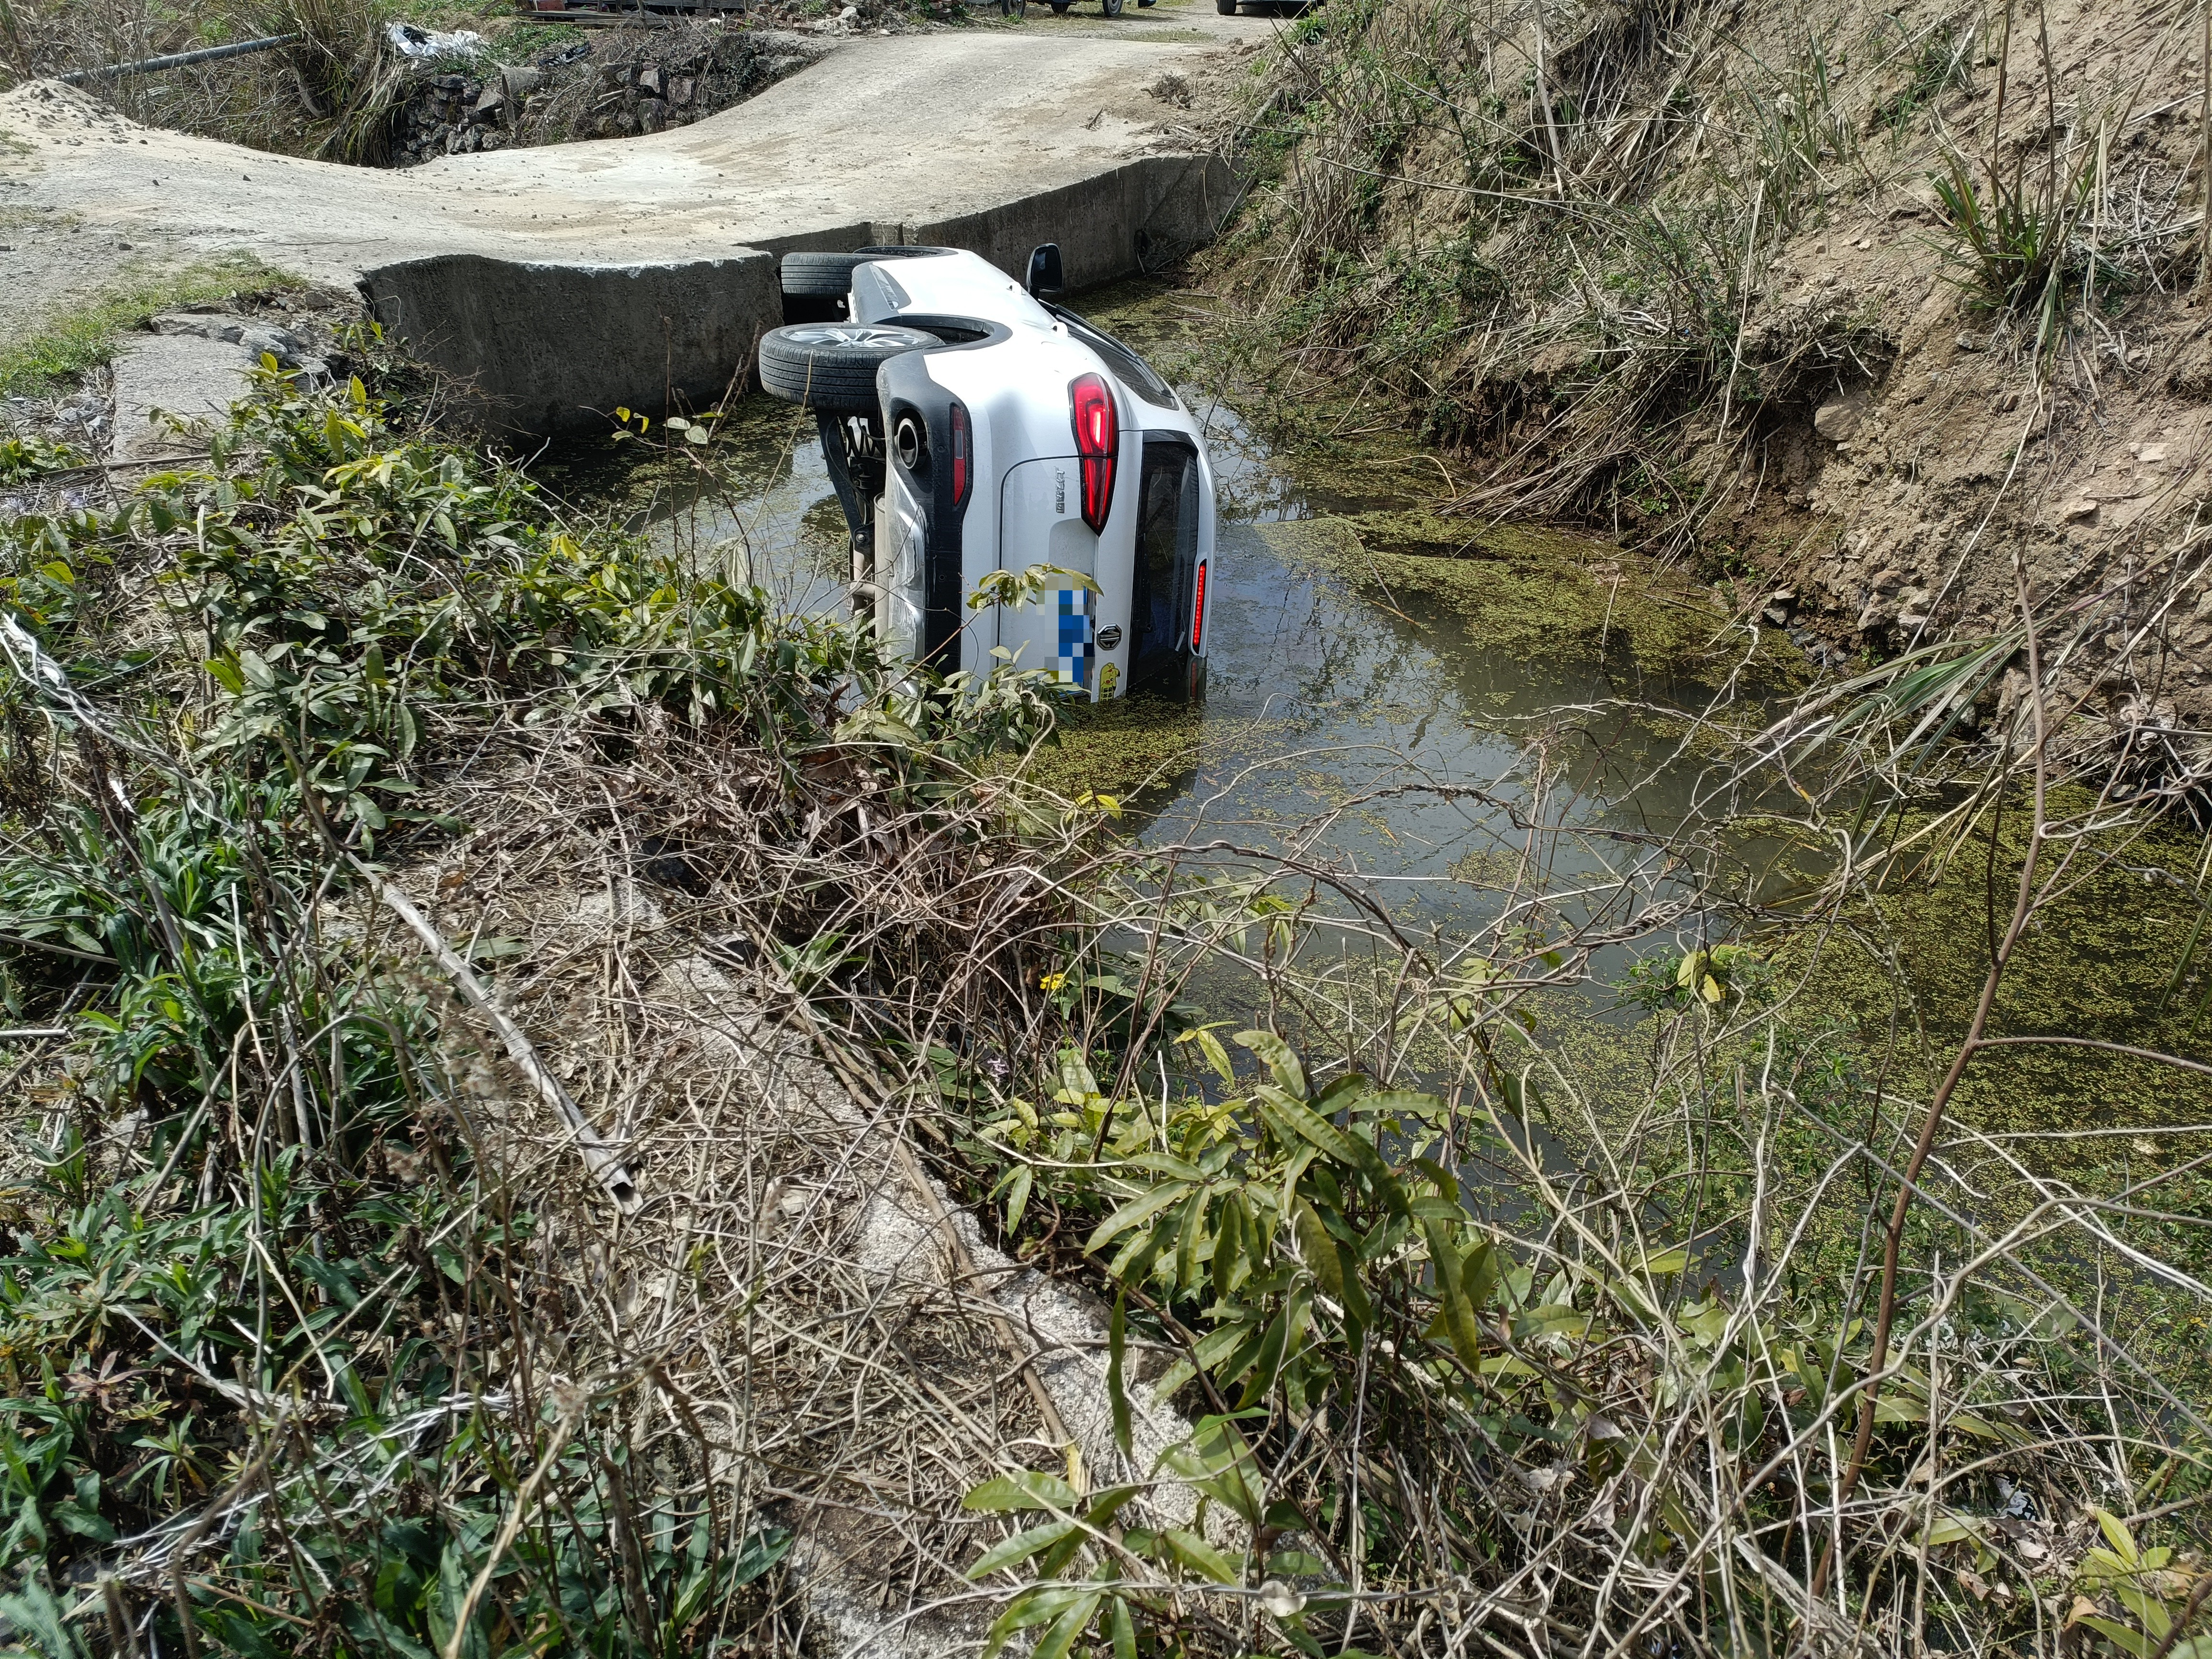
1059	8
971	424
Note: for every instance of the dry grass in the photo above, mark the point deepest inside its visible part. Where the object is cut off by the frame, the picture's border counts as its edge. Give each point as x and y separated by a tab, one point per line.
1562	235
321	95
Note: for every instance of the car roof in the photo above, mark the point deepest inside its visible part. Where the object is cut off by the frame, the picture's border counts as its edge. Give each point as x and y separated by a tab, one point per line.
959	283
953	285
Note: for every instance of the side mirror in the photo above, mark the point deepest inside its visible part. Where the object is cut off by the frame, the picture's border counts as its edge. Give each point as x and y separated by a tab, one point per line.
1045	282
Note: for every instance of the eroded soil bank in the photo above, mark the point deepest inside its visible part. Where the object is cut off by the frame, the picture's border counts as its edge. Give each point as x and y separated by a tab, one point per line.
1859	304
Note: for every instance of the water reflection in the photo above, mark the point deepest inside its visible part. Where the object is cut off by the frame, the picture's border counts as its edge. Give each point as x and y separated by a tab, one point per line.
1394	745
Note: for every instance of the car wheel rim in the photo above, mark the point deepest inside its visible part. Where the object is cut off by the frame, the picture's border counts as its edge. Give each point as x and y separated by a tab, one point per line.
858	336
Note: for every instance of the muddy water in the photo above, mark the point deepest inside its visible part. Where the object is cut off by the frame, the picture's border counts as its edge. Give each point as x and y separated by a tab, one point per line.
1388	734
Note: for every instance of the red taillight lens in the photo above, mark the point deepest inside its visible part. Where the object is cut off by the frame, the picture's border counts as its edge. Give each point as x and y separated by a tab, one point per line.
1198	613
961	468
1097	439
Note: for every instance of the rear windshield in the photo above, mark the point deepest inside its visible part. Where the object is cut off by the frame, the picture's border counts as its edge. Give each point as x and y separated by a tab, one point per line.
1129	367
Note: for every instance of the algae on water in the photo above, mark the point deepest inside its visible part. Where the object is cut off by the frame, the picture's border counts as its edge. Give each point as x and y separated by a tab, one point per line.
1528	592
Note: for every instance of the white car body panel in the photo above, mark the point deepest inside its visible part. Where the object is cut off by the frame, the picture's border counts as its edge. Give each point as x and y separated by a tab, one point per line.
1023	505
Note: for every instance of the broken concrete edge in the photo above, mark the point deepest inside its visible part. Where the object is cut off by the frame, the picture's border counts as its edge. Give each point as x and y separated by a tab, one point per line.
901	1244
167	382
547	348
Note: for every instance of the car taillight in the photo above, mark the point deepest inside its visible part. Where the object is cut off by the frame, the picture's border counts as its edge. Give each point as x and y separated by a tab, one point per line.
1097	437
960	457
1198	613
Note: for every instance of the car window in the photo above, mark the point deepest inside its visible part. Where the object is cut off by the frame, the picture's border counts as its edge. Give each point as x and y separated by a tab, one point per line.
1167	549
1129	367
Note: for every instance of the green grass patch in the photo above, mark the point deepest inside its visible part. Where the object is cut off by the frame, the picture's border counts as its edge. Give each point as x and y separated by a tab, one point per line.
63	344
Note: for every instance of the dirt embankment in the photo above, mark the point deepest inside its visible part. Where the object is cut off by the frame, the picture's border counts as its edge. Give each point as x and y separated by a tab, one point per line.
1852	304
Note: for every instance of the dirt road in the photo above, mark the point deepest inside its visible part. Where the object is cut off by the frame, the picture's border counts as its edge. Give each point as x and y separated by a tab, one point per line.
899	131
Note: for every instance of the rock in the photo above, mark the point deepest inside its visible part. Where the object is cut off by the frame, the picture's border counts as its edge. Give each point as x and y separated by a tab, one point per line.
2151	455
253	337
650	81
1969	342
189	376
1888	581
2080	511
1878	613
682	91
1838	419
1171	89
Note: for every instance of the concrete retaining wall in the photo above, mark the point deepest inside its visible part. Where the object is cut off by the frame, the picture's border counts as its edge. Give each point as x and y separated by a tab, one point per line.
1138	216
550	348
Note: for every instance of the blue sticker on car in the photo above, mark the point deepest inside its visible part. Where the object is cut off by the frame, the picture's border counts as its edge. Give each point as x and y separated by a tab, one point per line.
1073	657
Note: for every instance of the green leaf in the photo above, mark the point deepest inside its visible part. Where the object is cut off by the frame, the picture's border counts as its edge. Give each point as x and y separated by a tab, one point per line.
1478	1273
1950	1528
1164	1163
1055	1642
2116	1534
1023	1611
1457	1308
761	1551
1333	1267
2120	1636
1110	1501
1117	1393
1021	1546
1281	1058
1198	1556
1216	1055
1402	1102
1125	1630
1130	1214
1293	1118
1026	1490
1187	1241
1018	1198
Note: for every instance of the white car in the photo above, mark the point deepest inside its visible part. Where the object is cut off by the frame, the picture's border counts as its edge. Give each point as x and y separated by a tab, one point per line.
971	425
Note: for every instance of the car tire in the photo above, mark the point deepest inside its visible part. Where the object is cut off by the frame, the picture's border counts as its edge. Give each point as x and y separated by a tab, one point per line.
1110	8
1013	7
832	366
815	284
826	275
1226	7
1059	8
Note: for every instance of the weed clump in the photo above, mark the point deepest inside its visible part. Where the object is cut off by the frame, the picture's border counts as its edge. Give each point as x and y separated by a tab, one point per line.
303	1328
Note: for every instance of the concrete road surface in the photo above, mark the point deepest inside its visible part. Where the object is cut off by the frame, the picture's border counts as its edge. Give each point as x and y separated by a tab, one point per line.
572	275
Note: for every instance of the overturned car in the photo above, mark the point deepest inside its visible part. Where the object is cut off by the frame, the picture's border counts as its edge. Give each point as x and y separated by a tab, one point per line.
971	425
